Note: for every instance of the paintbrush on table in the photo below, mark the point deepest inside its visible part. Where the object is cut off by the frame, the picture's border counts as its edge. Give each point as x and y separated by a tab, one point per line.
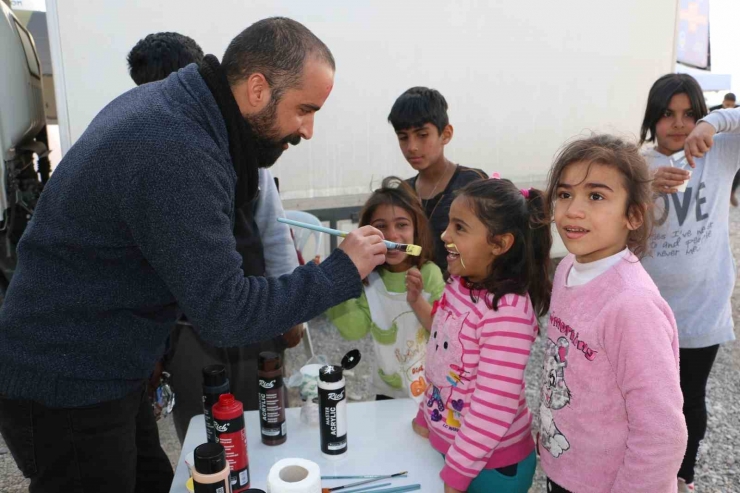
367	489
414	250
373	476
397	489
358	483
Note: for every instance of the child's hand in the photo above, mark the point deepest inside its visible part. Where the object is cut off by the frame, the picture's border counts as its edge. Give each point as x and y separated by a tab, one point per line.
667	178
699	141
414	285
419	430
450	489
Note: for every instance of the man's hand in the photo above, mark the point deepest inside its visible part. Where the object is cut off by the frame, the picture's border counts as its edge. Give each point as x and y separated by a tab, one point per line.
667	178
450	489
414	285
699	141
293	337
365	248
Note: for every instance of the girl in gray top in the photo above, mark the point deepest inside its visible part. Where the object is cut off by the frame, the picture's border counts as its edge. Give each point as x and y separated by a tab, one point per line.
692	262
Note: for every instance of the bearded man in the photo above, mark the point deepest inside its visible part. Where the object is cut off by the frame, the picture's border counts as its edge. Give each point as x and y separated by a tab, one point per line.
135	227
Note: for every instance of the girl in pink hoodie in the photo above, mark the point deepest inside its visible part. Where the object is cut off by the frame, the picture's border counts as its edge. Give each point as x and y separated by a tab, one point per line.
474	410
611	405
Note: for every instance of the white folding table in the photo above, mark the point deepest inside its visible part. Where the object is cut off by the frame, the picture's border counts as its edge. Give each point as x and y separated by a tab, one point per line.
380	441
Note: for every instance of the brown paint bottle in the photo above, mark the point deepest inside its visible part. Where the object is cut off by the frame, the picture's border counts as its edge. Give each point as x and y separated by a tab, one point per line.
210	469
271	399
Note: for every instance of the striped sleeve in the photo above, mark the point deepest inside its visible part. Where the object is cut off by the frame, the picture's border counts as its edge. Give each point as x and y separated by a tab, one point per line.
497	405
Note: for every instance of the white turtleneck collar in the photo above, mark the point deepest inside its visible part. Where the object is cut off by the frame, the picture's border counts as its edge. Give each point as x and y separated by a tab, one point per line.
581	274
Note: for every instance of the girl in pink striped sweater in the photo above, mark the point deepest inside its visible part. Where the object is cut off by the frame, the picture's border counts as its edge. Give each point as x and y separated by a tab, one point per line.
483	327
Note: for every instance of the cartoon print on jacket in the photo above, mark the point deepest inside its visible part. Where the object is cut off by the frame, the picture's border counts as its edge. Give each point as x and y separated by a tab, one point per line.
444	368
555	395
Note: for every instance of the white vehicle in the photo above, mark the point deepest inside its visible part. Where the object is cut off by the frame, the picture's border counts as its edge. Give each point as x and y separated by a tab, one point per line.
24	163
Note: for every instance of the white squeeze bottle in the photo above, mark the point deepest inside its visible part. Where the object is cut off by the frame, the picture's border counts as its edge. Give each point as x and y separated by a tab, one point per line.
333	406
332	412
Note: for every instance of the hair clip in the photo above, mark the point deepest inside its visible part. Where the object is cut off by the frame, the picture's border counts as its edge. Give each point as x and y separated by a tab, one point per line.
525	192
495	176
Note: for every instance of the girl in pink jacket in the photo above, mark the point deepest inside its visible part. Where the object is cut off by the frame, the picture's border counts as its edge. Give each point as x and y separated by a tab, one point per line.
474	411
610	409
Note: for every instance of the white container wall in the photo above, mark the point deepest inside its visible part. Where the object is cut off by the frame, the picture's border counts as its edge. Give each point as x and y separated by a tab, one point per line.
520	77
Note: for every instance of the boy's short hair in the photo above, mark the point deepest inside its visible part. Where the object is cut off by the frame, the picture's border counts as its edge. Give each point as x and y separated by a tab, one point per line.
158	55
417	107
730	97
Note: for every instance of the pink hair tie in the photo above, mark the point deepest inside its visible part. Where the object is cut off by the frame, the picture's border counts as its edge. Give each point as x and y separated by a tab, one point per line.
525	192
495	176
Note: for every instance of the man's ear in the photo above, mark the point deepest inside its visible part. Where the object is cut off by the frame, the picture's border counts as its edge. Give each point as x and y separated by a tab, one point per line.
447	133
252	94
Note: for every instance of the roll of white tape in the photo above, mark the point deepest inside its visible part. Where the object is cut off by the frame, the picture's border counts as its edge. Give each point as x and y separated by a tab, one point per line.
294	476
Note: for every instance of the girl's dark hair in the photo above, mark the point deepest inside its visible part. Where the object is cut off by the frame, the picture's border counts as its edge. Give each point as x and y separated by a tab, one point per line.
660	97
395	192
625	157
525	267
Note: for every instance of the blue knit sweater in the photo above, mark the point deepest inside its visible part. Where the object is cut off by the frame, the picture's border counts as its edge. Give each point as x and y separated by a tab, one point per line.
134	225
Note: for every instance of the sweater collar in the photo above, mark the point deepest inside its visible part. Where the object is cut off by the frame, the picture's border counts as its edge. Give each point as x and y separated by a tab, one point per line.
241	139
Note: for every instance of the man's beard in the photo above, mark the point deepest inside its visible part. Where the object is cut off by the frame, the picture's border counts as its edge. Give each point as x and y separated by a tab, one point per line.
268	141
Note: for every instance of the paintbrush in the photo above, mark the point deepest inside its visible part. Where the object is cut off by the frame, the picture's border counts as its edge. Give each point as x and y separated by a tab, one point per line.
400	489
365	489
358	483
414	250
374	476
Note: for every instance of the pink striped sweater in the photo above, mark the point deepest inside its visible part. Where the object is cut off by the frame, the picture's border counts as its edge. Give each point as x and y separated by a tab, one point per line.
474	407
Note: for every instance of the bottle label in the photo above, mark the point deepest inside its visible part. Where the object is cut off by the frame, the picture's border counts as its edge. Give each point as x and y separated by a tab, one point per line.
233	436
218	487
208	401
333	424
272	408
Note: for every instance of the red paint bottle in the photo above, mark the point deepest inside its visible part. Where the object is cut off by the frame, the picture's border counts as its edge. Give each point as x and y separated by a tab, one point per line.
228	421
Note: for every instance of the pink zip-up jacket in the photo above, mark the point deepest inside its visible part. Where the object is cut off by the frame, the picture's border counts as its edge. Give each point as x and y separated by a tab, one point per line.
611	409
474	406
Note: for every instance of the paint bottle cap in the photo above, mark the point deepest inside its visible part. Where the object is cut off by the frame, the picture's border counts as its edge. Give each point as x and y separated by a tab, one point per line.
351	359
269	361
214	376
227	402
330	373
209	458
